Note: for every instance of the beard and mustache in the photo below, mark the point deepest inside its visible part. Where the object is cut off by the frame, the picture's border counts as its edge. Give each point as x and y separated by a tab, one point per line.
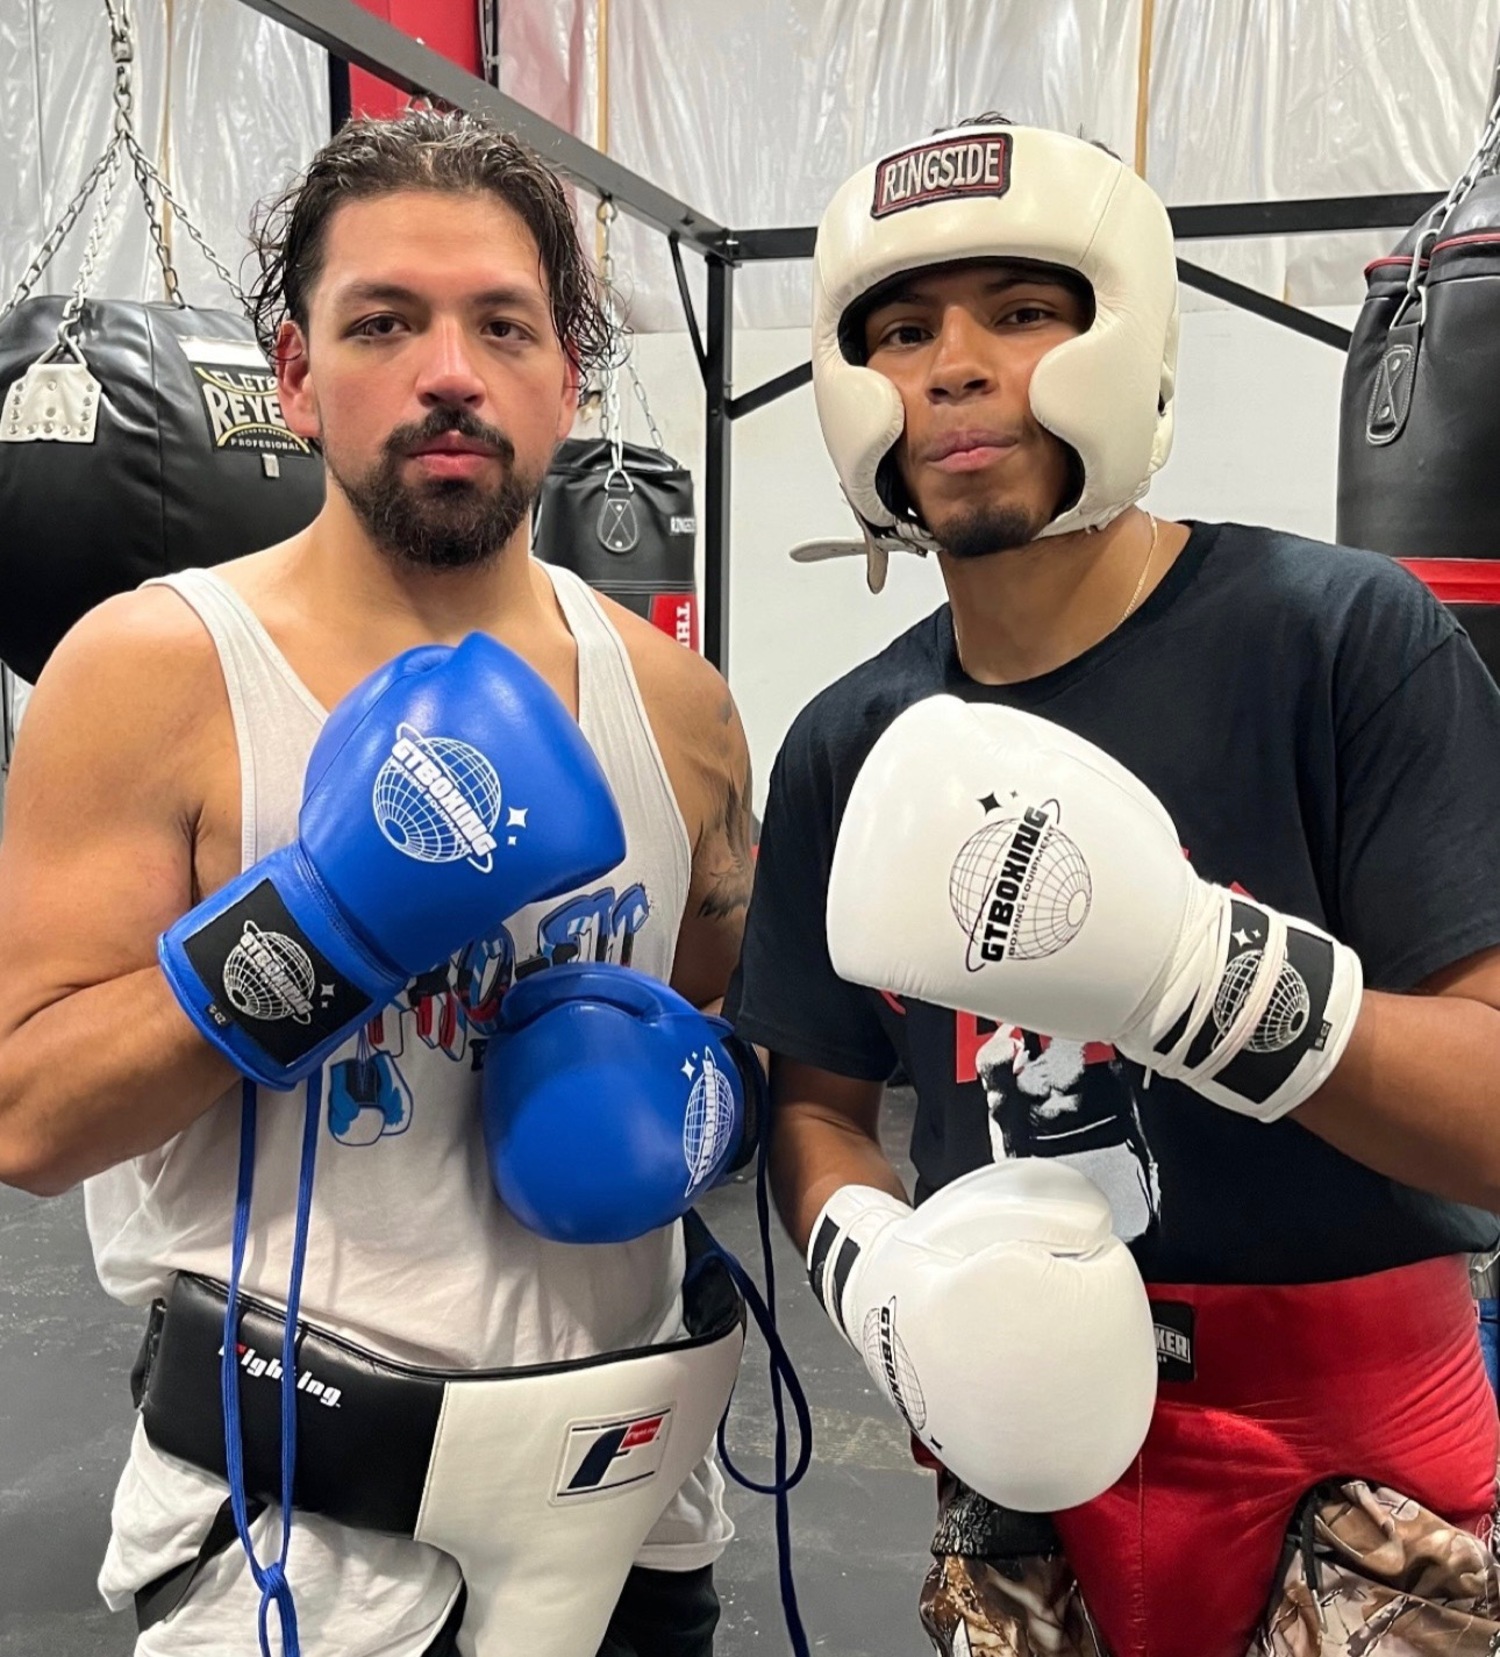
987	527
457	523
982	531
440	523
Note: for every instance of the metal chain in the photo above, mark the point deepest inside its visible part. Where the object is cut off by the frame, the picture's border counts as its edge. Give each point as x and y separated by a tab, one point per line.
122	50
640	397
1483	160
611	422
58	234
158	234
143	163
610	417
73	310
106	169
122	43
149	178
93	246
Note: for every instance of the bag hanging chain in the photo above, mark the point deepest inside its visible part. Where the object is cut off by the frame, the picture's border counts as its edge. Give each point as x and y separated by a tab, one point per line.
610	418
610	421
1482	161
60	232
122	49
105	171
640	397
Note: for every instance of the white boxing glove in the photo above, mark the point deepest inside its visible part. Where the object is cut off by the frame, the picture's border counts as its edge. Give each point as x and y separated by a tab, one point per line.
994	862
1004	1320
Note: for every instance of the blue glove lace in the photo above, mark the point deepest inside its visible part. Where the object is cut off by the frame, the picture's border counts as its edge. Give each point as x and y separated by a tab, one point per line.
782	1374
269	1578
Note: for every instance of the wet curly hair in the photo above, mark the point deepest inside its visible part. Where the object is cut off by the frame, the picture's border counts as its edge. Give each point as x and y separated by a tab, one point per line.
443	151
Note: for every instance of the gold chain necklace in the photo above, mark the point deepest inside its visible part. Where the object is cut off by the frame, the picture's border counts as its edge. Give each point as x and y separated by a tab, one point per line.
1135	597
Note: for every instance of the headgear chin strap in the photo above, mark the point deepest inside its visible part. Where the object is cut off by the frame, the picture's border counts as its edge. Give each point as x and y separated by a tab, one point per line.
1003	193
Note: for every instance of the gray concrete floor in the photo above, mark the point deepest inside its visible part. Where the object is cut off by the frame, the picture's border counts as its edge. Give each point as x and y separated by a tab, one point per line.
861	1518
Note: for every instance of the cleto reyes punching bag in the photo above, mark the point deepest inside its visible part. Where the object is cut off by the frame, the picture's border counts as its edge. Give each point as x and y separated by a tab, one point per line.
1419	431
135	438
151	441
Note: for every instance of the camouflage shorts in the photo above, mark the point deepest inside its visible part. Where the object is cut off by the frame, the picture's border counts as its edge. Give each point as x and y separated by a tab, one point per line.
1367	1573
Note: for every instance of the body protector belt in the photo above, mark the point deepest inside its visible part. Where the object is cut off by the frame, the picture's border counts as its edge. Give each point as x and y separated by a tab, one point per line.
542	1482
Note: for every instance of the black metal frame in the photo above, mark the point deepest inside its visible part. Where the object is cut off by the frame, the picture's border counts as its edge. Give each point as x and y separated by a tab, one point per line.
354	36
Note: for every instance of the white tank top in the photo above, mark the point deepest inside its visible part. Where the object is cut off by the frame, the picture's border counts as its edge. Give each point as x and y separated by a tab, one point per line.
410	1251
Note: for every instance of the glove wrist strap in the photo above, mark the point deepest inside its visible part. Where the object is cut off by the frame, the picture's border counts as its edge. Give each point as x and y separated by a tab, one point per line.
850	1222
1273	1004
269	972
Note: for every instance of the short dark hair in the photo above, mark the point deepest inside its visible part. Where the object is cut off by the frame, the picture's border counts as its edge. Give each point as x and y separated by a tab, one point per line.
993	118
986	118
449	153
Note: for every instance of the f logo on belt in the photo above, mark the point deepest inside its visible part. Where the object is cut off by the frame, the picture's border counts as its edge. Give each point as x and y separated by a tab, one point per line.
599	1456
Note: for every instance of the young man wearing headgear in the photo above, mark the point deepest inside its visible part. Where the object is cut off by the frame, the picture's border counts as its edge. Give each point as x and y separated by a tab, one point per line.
1163	857
320	868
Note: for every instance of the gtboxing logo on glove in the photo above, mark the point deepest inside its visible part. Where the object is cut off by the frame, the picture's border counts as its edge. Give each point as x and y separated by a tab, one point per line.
266	971
1286	1013
708	1121
886	1356
600	1456
268	975
1019	887
438	800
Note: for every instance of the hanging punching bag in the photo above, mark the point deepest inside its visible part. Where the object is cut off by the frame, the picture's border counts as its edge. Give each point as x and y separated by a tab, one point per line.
617	513
159	445
135	439
1419	431
621	516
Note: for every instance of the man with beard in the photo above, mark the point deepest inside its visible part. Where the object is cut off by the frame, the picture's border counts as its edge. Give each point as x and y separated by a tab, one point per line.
431	315
1213	807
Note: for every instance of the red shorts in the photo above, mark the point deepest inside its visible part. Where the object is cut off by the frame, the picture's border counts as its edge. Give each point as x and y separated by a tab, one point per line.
1378	1378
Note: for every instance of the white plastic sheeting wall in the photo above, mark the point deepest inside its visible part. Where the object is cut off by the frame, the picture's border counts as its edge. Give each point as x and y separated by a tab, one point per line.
1275	99
228	105
755	114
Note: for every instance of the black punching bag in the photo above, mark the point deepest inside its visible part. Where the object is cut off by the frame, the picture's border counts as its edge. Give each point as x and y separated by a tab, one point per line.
622	518
156	444
1419	433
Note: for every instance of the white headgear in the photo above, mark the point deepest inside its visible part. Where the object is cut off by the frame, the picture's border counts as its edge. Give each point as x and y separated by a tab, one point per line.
1003	192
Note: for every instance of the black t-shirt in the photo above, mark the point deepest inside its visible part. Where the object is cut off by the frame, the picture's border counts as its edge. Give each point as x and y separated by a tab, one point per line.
1325	737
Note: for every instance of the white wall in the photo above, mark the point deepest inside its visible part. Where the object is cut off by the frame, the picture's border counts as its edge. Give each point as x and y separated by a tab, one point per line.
1257	437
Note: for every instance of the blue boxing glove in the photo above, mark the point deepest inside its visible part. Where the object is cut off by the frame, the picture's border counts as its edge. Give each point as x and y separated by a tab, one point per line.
447	791
611	1104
